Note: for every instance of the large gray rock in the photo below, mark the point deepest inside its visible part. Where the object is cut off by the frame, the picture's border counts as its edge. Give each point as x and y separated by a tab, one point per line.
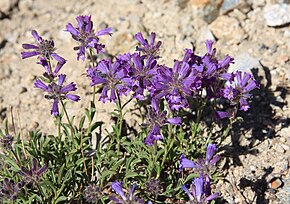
277	14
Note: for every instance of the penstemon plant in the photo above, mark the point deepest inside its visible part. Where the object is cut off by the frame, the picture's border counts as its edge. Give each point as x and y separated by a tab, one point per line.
162	162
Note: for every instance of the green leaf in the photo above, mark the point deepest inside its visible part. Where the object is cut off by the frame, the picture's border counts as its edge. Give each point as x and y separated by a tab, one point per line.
81	123
60	199
107	173
190	177
130	174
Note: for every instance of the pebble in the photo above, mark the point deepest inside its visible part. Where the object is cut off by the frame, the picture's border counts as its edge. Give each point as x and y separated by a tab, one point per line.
6	6
228	29
278	148
229	5
245	62
277	14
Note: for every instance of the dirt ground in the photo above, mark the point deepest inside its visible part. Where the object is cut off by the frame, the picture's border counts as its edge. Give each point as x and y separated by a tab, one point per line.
258	152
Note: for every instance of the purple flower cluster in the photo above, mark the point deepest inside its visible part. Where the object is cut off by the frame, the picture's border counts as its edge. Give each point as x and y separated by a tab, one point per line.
192	77
202	166
86	36
52	83
131	198
201	190
155	120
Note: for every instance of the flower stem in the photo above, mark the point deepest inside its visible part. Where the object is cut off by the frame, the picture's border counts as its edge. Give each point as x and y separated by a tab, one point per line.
66	115
120	121
93	63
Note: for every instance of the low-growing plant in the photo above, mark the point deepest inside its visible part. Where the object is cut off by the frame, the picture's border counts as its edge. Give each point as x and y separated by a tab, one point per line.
180	110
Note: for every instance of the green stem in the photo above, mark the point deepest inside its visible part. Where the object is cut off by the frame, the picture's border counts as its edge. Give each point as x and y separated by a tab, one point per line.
120	121
93	63
71	127
154	158
199	114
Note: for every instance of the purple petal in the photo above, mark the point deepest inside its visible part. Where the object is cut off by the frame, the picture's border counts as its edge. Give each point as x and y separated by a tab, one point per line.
115	199
215	159
250	86
24	171
222	114
117	186
226	61
131	191
57	68
36	36
187	192
61	79
58	58
81	53
34	164
209	44
244	105
42	170
29	54
39	84
245	79
68	88
106	31
152	38
54	109
186	163
103	66
139	37
212	197
198	188
71	29
29	46
174	121
72	97
211	149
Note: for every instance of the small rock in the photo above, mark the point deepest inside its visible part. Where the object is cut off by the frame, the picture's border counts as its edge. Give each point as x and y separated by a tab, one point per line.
278	148
6	6
275	183
229	5
228	29
277	14
206	9
205	34
285	147
244	62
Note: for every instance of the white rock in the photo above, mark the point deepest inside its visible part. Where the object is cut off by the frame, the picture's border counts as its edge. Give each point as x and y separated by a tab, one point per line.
277	14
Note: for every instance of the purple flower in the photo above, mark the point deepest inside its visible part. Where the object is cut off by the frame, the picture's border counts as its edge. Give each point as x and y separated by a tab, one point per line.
44	48
86	36
238	92
112	76
57	92
142	74
176	84
33	175
202	166
200	191
117	186
9	189
155	120
6	142
148	48
49	74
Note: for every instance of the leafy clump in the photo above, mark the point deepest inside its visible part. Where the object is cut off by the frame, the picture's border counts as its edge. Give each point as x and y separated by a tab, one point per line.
152	165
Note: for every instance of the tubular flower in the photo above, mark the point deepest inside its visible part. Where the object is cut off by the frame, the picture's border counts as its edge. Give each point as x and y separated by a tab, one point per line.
112	76
142	74
148	48
202	166
57	92
33	174
238	92
44	48
175	84
200	191
49	74
155	120
86	36
130	199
